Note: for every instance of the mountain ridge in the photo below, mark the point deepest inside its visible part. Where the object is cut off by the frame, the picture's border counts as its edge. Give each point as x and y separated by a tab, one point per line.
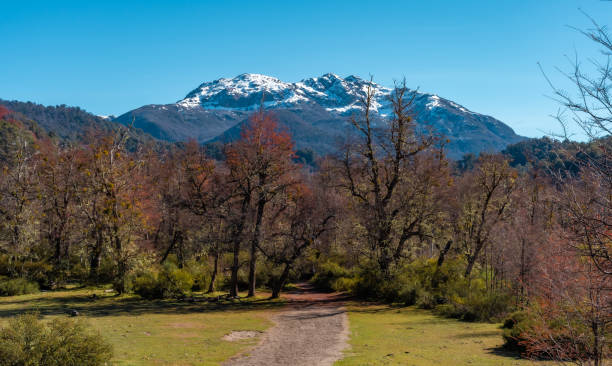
314	110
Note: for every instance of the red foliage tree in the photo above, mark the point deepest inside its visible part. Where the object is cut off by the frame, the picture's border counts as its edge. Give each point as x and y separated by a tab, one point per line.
260	167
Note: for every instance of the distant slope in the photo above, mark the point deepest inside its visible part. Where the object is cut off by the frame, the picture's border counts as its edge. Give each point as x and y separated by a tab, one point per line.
314	110
72	123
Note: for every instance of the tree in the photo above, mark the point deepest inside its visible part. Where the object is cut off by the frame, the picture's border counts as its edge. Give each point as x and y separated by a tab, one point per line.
586	201
485	198
260	166
572	314
206	195
111	204
57	173
18	204
300	218
376	168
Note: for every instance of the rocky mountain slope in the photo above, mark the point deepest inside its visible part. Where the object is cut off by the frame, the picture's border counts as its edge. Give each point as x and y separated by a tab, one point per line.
314	110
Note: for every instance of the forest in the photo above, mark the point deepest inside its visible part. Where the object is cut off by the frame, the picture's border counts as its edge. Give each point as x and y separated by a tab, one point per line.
520	237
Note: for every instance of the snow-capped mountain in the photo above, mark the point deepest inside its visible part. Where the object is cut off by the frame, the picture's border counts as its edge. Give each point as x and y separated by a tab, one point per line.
246	92
314	110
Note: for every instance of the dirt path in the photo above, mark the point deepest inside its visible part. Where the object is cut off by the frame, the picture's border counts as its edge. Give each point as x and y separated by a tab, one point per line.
312	331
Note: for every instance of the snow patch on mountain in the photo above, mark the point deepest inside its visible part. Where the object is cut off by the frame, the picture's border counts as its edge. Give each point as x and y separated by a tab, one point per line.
247	91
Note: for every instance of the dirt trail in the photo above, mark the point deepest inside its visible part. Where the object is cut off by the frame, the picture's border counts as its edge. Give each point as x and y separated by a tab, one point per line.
313	330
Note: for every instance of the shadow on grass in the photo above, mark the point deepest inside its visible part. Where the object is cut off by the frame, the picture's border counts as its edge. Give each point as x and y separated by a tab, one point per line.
117	306
504	352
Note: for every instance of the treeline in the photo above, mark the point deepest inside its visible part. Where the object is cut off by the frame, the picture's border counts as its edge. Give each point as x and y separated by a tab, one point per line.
387	218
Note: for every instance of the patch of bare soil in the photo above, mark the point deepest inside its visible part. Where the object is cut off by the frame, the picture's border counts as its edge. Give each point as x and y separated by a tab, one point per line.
240	334
313	330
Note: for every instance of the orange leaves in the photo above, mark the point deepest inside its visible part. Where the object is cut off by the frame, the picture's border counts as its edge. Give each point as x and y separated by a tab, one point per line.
262	146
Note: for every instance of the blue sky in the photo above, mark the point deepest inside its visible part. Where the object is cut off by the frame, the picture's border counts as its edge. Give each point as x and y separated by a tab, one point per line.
112	56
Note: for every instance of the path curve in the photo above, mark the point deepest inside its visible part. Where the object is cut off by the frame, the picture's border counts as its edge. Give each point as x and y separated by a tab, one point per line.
313	330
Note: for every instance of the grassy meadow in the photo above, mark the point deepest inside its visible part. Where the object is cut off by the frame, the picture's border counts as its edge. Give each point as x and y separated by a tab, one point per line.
164	332
385	335
172	332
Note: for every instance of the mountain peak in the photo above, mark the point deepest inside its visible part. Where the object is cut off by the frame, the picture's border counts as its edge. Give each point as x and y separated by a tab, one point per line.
247	91
315	110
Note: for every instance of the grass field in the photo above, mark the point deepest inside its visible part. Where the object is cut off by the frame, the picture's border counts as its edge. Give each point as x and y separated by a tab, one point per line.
184	333
383	335
154	332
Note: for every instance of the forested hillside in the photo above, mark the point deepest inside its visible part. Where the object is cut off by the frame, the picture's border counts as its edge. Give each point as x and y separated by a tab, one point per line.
72	124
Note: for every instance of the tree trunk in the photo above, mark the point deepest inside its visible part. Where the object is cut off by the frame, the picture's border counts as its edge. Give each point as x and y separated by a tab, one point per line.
237	237
254	244
443	253
278	285
94	263
58	249
252	275
235	266
472	259
169	249
213	277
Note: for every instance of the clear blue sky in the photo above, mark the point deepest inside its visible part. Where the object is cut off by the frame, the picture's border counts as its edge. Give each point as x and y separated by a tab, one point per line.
112	56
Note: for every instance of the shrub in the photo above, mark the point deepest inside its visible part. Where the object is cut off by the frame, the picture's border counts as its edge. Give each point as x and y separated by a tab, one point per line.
514	326
344	284
477	306
27	341
17	286
175	282
563	334
428	286
170	282
146	285
201	275
327	274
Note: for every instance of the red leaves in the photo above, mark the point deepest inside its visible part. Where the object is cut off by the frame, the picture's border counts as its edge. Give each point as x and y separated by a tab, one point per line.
4	111
262	146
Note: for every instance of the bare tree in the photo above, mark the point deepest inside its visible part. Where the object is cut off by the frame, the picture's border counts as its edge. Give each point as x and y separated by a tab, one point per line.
586	201
376	167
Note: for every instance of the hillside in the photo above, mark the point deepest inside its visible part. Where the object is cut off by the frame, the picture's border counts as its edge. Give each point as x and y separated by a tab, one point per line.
71	124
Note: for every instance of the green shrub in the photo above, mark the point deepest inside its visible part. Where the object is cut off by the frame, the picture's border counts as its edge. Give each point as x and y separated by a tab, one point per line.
170	282
344	284
514	326
201	274
327	274
146	285
478	306
175	282
428	286
27	341
17	286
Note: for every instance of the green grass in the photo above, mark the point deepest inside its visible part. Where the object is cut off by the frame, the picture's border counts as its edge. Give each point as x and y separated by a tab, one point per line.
167	332
384	335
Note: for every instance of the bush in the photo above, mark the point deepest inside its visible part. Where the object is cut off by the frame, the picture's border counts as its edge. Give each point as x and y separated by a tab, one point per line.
27	341
201	274
17	286
344	284
327	274
562	335
514	326
170	282
480	305
175	282
443	289
146	285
